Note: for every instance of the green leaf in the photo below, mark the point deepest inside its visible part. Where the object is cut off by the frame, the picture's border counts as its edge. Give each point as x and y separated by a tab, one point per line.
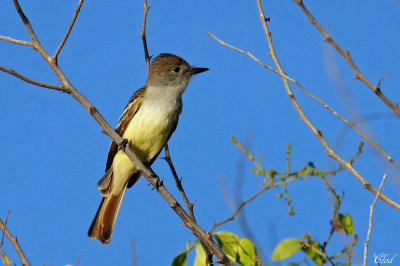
285	249
180	260
291	264
229	243
312	254
248	253
201	258
347	223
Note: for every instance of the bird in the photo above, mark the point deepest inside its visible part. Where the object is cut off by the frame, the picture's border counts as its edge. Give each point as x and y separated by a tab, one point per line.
147	123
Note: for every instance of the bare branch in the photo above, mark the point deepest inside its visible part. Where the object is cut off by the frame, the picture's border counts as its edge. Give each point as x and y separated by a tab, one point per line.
32	81
346	55
5	226
143	34
230	218
12	40
26	22
14	242
77	262
352	125
151	177
249	55
381	79
317	132
178	182
370	220
189	205
272	183
71	25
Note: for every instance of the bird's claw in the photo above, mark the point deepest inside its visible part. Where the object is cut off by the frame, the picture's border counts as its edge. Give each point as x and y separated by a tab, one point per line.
123	144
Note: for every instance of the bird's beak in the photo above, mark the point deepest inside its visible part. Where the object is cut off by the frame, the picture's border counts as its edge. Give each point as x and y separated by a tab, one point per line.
197	70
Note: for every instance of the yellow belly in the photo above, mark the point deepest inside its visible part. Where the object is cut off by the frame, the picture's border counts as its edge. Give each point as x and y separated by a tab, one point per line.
148	130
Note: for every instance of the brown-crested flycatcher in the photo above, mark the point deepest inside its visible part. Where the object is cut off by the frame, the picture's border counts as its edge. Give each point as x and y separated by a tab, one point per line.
148	121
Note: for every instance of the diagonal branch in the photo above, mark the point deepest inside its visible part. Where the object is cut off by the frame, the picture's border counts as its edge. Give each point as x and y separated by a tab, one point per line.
14	242
346	55
12	40
4	231
26	22
178	182
71	25
151	177
189	206
317	133
352	125
238	208
32	81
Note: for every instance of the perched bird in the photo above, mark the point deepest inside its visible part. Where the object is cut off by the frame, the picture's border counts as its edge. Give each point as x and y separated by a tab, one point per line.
148	121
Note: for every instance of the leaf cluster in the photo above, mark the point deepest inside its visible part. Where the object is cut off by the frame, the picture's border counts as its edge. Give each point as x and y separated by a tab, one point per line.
239	250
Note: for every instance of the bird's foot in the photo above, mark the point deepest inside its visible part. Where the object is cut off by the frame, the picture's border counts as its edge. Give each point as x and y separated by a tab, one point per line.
123	144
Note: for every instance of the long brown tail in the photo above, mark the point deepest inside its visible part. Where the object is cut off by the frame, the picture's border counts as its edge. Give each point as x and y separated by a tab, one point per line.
103	223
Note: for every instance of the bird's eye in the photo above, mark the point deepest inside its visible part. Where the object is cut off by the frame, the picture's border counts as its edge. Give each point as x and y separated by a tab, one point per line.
177	69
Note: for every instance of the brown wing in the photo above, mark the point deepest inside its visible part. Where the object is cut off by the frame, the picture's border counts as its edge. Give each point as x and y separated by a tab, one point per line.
131	108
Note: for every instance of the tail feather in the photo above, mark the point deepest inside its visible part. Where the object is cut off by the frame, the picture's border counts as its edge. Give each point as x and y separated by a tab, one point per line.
103	223
104	183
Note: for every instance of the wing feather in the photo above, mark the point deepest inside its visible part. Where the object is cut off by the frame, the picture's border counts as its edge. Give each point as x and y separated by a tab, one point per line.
130	110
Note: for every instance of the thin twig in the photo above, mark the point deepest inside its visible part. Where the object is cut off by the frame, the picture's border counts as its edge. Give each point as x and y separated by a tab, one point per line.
346	55
14	242
143	34
77	262
230	218
381	79
26	22
32	81
71	25
12	40
317	132
151	177
334	222
306	245
352	125
356	116
370	220
178	182
236	197
249	55
189	205
4	231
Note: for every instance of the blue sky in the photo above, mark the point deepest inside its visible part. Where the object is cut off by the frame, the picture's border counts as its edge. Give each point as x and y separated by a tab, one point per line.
53	152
